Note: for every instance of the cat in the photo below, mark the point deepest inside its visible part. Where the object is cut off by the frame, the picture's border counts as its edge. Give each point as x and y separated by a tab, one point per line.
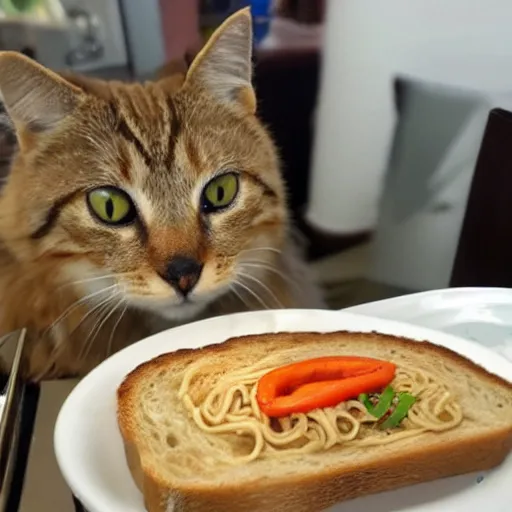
131	208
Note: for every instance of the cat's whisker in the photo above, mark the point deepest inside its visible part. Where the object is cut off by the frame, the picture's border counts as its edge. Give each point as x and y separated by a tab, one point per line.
266	262
270	268
263	265
232	287
252	292
118	321
95	278
97	309
104	307
269	249
59	347
87	280
264	286
76	304
98	326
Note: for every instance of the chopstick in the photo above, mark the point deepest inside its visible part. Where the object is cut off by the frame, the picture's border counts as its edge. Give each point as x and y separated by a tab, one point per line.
10	415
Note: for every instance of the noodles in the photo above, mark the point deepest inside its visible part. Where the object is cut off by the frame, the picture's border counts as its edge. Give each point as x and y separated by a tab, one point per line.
230	407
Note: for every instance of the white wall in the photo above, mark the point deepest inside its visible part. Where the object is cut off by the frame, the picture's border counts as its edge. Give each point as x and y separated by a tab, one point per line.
458	42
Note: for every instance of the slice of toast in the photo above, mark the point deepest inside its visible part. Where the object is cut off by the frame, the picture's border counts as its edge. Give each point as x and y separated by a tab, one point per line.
179	467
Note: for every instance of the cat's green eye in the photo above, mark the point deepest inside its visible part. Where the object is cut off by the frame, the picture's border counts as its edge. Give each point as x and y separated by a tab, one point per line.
219	193
111	205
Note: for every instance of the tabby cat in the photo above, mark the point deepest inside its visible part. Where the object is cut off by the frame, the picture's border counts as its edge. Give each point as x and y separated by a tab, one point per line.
130	208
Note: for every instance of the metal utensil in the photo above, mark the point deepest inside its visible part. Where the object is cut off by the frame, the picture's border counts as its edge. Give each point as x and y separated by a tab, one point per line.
12	397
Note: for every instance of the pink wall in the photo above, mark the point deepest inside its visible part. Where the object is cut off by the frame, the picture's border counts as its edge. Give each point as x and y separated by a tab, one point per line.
180	22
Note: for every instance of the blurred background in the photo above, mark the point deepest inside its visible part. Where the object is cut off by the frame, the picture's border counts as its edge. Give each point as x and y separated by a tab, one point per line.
378	110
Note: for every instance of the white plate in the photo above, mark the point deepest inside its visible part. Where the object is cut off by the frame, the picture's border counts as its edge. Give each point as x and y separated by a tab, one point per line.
89	447
483	315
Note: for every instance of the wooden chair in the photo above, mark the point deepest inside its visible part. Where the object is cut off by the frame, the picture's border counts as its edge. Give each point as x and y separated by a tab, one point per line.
484	254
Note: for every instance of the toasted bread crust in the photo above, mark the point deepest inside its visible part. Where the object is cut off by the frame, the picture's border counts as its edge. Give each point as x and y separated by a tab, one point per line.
324	488
297	337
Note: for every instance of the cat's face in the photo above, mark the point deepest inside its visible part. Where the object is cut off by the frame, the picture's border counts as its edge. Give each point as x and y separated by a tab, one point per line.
157	194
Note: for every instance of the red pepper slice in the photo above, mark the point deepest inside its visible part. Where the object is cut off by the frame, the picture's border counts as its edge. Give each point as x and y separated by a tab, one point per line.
320	382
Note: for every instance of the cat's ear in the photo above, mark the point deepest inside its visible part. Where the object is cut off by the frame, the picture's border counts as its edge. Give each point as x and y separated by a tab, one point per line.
35	97
224	65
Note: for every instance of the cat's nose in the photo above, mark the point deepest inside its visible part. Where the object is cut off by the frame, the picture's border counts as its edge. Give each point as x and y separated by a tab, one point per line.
183	273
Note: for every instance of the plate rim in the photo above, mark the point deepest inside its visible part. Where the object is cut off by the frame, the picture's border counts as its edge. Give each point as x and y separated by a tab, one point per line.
472	295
